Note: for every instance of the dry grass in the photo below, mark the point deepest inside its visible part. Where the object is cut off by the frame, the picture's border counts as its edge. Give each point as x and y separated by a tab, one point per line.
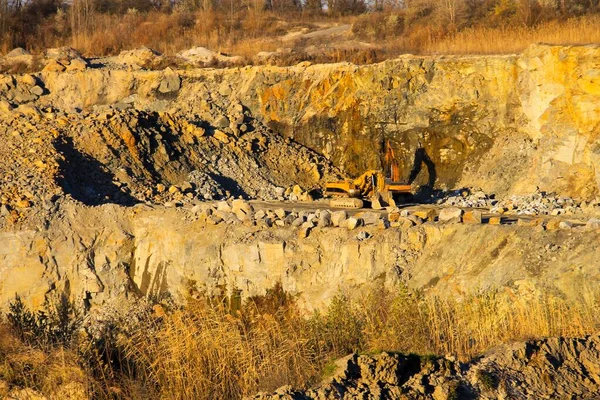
44	370
203	352
209	350
432	325
515	38
249	32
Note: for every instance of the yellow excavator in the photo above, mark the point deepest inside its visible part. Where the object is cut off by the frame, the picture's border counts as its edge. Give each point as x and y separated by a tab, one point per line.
371	186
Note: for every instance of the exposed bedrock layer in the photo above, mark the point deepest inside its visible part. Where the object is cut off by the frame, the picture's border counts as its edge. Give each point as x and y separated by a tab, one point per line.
100	253
505	123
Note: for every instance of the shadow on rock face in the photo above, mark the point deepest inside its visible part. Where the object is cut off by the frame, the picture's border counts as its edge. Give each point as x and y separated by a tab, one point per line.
86	179
421	157
425	192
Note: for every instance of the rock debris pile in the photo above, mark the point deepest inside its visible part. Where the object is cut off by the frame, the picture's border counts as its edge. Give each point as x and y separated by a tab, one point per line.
546	368
62	59
538	203
126	156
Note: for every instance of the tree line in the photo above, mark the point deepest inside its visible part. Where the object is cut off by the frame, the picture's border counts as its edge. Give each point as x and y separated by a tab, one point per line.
22	22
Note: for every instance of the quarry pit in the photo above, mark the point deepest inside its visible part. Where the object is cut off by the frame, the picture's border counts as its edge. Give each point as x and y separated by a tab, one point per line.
119	182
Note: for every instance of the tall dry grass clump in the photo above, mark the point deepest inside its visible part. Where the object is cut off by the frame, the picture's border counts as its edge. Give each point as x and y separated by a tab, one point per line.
410	322
516	38
205	352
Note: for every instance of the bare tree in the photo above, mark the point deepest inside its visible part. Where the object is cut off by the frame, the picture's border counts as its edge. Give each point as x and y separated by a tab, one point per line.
4	15
82	12
451	11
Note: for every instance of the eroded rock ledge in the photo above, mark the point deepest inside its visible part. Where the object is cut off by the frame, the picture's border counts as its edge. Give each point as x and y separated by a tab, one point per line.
99	253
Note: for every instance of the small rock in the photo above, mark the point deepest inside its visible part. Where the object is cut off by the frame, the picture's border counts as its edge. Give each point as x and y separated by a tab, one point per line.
593	224
338	217
553	224
450	215
239	206
303	232
308	224
495	221
221	122
5	107
362	235
405	223
17	52
23	204
394	216
305	197
260	214
524	222
298	222
224	206
280	212
352	223
472	217
376	204
324	219
170	83
186	187
427	215
221	136
54	66
370	218
565	225
226	216
76	64
38	91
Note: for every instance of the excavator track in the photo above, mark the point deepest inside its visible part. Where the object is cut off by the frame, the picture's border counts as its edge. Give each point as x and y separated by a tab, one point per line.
346	202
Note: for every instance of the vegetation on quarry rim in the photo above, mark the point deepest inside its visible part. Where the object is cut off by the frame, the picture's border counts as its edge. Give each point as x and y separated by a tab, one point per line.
315	30
219	348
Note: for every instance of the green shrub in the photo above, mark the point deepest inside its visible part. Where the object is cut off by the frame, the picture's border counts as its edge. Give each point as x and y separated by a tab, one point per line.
55	324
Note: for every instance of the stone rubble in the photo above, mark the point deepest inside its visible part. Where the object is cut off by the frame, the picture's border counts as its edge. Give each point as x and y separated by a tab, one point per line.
538	203
535	369
125	156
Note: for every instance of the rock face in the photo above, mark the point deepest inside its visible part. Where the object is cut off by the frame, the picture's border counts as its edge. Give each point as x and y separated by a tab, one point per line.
103	252
498	122
103	136
548	368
